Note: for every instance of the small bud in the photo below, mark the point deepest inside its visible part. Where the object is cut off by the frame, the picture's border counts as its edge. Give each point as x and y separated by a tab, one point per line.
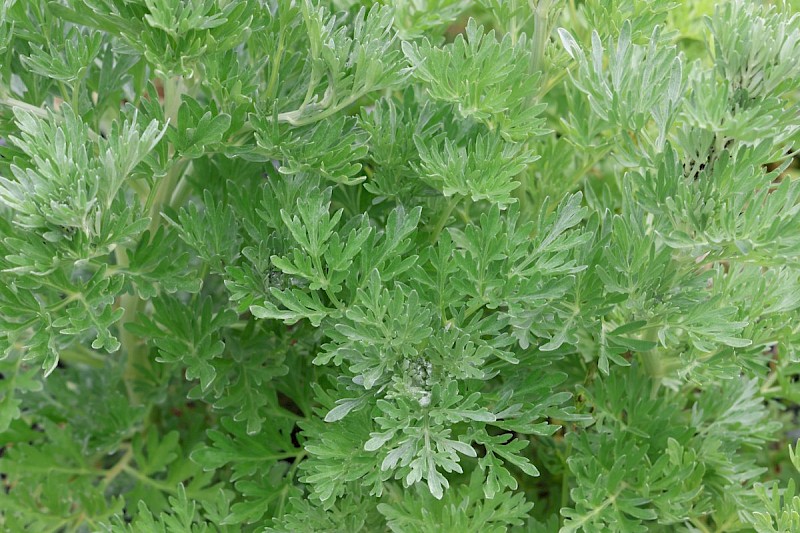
425	400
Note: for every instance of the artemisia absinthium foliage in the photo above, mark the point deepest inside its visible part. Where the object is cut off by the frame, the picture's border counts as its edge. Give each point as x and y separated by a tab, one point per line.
410	266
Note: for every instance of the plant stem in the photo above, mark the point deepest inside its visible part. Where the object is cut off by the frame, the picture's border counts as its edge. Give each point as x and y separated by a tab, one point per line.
182	189
75	98
295	117
160	195
275	67
541	25
80	353
115	470
699	525
581	172
564	480
136	357
166	190
769	381
652	360
19	104
163	487
440	224
173	90
38	111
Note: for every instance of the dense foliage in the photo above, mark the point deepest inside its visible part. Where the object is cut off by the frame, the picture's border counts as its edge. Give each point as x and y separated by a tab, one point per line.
408	265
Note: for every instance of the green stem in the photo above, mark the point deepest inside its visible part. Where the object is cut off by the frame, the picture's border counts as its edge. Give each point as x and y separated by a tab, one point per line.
769	381
541	25
473	308
699	525
64	94
13	103
19	104
295	117
552	82
76	93
732	520
165	191
334	300
80	353
443	218
581	172
182	189
115	470
578	525
565	481
652	360
317	262
135	351
173	89
276	65
146	480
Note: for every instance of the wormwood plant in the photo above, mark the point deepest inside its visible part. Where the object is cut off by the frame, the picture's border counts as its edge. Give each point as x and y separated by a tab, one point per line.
419	266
